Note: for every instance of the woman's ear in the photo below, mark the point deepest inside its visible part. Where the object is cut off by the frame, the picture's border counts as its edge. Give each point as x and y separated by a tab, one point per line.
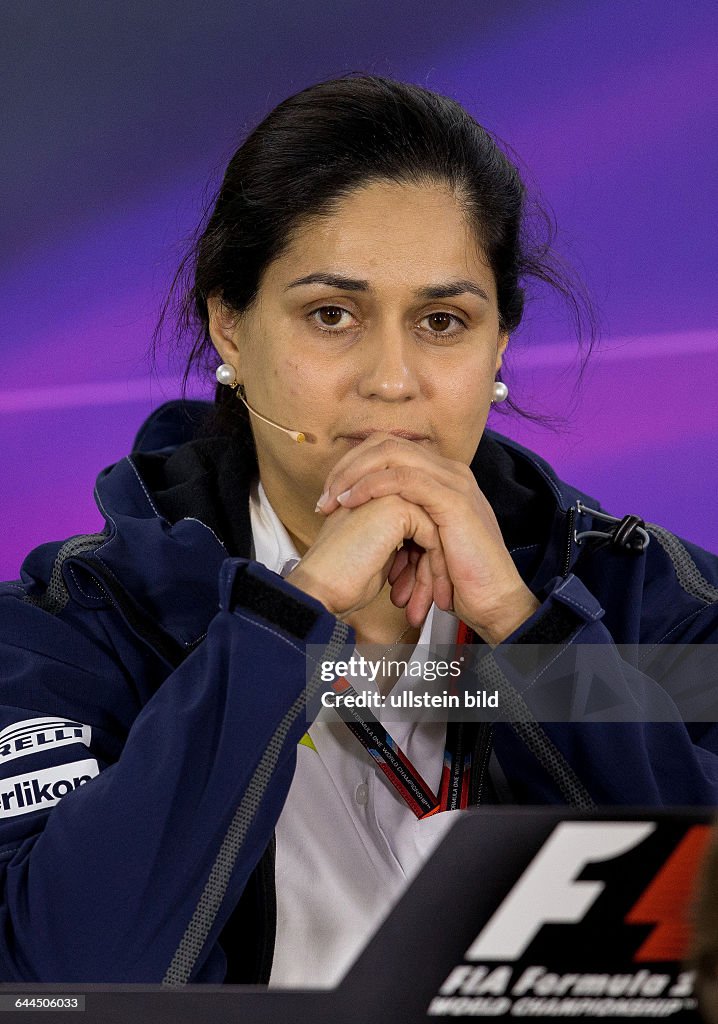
223	330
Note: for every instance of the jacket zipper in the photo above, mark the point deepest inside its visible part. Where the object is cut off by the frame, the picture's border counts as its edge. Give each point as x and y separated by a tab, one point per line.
569	542
160	643
479	764
484	738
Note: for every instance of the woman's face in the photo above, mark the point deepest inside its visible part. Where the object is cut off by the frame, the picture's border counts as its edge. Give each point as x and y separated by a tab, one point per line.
379	317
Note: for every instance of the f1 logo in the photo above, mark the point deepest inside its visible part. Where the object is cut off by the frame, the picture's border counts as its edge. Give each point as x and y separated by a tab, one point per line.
548	892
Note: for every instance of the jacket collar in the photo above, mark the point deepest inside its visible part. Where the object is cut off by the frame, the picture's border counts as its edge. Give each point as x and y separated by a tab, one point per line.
176	514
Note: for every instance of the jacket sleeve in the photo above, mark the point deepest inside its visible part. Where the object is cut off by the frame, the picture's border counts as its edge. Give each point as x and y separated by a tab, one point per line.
587	722
124	848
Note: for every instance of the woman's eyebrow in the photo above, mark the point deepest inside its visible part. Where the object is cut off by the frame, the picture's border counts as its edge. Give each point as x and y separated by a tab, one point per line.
352	284
348	284
450	290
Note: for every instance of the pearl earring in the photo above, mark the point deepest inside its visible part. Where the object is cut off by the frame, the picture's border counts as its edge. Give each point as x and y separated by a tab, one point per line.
226	374
500	392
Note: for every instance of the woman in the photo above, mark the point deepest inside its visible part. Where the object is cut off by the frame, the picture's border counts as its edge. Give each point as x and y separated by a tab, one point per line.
357	282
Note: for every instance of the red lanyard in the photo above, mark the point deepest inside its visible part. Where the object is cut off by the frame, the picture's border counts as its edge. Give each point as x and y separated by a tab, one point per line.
396	766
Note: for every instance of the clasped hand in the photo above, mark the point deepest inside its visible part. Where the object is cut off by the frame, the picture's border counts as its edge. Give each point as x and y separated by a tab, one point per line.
398	512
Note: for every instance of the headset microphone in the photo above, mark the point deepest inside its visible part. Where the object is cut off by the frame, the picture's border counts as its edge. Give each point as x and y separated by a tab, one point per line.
227	375
296	435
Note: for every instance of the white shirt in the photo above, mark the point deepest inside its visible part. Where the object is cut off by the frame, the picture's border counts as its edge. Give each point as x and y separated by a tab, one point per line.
347	844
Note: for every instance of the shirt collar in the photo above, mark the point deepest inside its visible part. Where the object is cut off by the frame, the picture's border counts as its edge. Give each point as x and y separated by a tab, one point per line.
271	544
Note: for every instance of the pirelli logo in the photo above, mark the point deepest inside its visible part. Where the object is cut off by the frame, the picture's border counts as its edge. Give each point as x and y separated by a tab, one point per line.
34	734
32	792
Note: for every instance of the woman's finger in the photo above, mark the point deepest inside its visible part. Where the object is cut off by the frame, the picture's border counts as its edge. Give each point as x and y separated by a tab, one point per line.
416	484
349	563
403	586
381	452
422	593
401	559
443	593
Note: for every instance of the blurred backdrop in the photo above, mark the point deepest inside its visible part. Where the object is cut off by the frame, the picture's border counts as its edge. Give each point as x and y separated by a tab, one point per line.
118	118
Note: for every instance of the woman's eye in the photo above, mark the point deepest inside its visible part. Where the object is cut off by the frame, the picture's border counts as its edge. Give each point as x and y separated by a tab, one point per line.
336	318
330	316
443	323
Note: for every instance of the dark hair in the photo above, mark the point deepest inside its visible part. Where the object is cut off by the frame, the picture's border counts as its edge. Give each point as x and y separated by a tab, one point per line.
318	146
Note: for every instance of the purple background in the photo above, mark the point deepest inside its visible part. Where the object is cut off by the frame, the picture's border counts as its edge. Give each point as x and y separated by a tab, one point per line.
118	119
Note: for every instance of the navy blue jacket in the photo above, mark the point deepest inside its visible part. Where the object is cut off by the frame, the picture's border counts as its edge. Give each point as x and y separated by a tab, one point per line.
153	695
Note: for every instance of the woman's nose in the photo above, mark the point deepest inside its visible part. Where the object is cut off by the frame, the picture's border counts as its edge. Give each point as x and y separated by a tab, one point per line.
389	365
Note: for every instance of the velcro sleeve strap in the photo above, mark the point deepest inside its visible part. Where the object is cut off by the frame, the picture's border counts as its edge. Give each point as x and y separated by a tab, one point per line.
261	592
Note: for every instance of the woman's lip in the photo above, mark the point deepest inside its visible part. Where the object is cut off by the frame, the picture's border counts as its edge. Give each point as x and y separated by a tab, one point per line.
362	435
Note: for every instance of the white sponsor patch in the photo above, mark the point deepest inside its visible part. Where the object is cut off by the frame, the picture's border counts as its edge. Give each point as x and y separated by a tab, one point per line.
36	734
25	793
